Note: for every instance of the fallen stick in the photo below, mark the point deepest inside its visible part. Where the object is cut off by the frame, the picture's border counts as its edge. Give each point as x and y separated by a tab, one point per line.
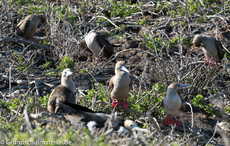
19	40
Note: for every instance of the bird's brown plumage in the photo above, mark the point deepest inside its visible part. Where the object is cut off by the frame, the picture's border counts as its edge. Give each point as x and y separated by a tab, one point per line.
28	26
212	48
62	93
120	84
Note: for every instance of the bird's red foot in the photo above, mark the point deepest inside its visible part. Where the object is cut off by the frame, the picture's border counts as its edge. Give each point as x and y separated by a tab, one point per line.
211	62
168	121
115	103
123	104
178	122
97	59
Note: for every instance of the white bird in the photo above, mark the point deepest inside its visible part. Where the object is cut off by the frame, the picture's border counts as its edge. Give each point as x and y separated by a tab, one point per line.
173	103
98	45
120	85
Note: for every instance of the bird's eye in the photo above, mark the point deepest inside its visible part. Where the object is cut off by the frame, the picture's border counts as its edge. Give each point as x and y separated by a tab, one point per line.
131	125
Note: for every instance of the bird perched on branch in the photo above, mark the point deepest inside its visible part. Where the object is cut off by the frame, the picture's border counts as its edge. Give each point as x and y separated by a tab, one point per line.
28	26
62	93
98	44
211	47
120	85
173	103
78	115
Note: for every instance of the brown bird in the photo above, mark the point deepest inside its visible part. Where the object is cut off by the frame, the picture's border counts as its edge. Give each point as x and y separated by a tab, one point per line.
28	26
173	103
211	47
120	85
98	45
62	93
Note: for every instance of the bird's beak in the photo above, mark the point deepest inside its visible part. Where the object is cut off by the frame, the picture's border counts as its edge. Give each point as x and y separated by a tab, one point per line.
181	86
124	69
68	73
140	129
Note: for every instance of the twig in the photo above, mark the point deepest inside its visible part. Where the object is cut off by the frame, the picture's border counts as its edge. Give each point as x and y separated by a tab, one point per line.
196	137
16	40
213	133
191	114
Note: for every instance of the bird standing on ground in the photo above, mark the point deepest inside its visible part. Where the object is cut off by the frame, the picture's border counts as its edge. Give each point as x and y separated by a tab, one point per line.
211	47
98	45
120	85
27	27
102	33
62	93
173	103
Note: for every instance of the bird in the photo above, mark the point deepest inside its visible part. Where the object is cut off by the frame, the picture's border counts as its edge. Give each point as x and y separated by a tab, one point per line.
98	45
120	85
63	92
211	47
79	115
102	33
27	27
173	104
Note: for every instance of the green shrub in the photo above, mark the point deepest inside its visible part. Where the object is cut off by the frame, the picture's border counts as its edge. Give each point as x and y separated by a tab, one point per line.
198	101
122	9
67	62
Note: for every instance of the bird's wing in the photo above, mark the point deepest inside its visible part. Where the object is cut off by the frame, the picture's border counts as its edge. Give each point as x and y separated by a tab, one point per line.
182	108
111	85
83	46
105	45
130	84
162	103
220	50
60	94
22	27
64	97
51	103
77	107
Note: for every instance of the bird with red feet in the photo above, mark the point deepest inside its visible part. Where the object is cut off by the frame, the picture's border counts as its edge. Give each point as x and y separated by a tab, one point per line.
212	48
97	42
173	103
120	85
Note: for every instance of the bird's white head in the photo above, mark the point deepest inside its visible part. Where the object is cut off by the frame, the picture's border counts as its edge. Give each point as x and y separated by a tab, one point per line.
174	87
120	66
66	79
66	73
